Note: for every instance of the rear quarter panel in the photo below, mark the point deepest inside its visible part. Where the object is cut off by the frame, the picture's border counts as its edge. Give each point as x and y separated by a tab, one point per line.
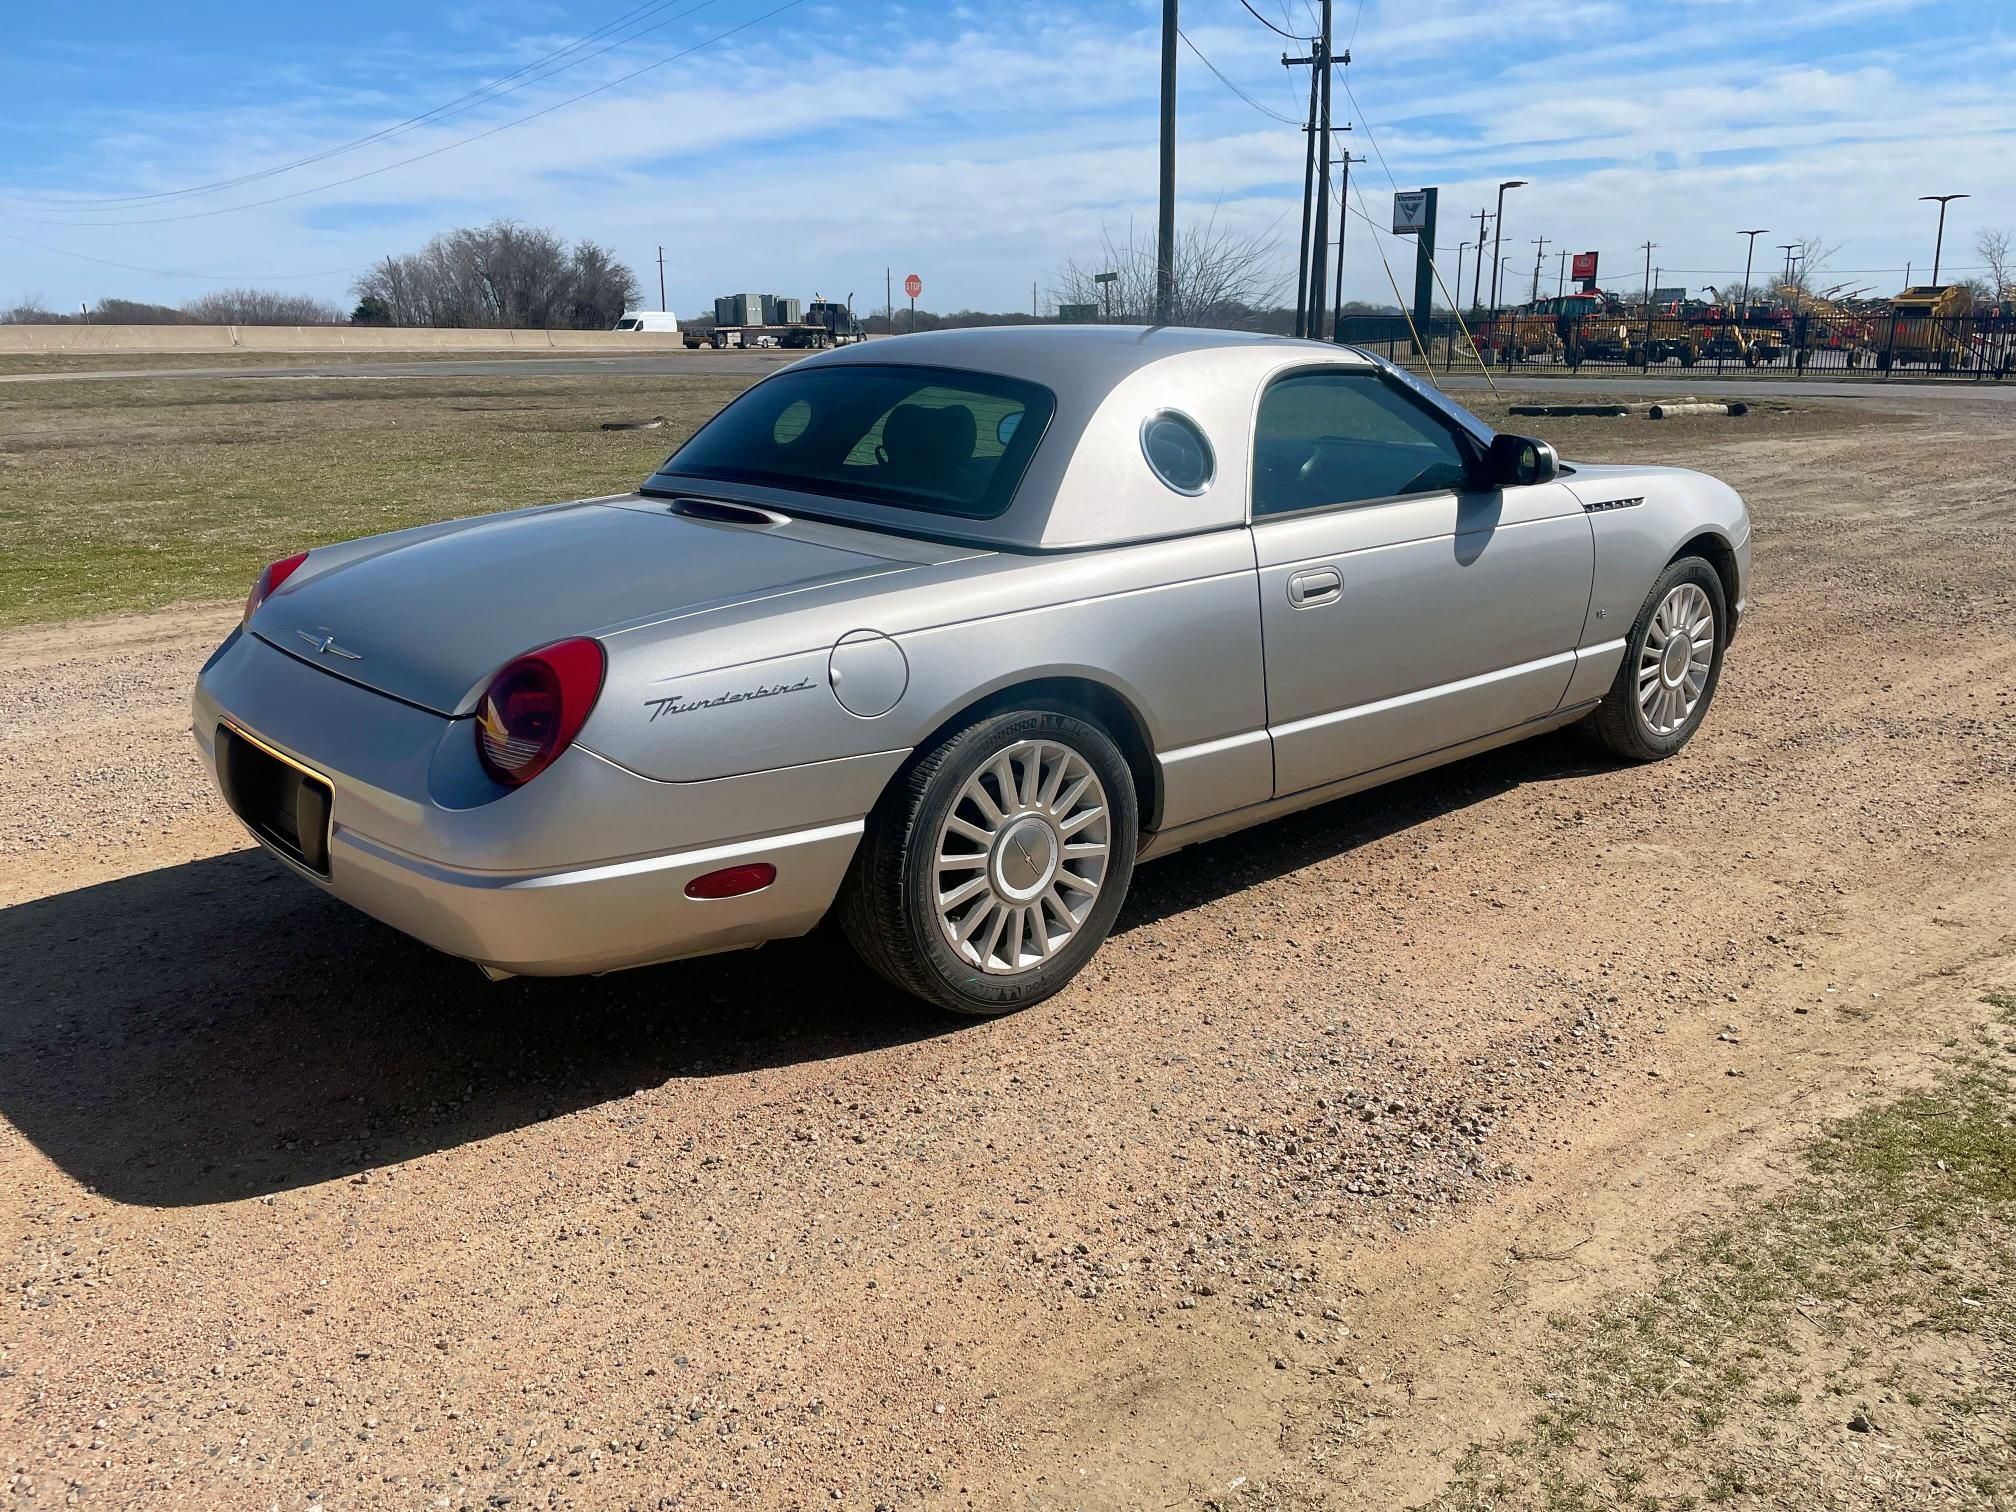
1172	627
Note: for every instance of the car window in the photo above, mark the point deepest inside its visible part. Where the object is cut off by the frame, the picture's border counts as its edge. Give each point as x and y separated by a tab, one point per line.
1343	437
944	441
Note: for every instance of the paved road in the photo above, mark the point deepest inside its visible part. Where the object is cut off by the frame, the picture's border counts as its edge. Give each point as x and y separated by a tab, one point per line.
709	363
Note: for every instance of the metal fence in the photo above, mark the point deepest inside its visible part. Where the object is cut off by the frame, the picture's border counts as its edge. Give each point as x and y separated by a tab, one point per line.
1981	346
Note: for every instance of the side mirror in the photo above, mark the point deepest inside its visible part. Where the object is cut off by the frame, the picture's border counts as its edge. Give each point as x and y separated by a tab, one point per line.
1517	461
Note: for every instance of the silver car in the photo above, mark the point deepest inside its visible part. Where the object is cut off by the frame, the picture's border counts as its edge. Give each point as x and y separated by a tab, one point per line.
941	635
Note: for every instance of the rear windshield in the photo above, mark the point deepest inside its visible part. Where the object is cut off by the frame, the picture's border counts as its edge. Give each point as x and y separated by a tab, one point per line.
939	440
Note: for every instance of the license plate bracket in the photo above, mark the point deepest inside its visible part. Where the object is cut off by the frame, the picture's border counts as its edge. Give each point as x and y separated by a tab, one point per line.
281	801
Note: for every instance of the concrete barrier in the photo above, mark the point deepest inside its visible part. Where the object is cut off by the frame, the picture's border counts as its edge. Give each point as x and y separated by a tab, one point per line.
60	339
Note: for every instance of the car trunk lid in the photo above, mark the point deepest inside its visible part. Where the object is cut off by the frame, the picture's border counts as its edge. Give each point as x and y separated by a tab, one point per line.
429	616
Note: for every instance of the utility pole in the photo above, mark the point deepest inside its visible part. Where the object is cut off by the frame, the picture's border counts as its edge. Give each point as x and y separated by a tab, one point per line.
1648	297
1561	279
1308	187
1343	219
1033	312
1939	245
1539	251
1498	237
1320	249
1477	278
661	280
889	301
1461	248
1165	225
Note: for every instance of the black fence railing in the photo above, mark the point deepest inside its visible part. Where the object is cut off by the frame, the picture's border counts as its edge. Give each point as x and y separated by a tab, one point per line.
1978	345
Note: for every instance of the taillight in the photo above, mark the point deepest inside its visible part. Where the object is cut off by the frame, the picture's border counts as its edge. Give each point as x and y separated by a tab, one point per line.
534	708
271	576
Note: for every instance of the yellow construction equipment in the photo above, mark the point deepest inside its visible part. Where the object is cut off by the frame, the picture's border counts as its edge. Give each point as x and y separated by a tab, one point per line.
1925	328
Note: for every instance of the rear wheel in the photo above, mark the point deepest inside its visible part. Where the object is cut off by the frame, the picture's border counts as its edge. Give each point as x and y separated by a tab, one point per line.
1672	663
995	866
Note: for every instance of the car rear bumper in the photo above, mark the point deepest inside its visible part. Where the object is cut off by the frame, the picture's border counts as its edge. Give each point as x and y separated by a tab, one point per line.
583	870
596	918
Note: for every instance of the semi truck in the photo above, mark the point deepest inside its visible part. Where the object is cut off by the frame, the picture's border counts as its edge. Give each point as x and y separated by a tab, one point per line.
777	320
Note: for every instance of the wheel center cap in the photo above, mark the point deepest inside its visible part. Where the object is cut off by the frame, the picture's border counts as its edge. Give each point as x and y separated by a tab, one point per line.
1673	666
1025	859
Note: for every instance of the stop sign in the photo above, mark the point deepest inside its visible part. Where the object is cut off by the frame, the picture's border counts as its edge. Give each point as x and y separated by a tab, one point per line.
913	285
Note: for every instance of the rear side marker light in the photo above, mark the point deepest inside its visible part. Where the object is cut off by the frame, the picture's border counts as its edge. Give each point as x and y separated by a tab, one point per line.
733	881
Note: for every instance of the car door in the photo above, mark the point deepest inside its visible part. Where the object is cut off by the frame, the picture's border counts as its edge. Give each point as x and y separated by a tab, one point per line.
1404	607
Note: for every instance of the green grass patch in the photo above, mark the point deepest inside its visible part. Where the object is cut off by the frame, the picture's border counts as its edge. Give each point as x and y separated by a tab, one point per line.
131	494
1770	1351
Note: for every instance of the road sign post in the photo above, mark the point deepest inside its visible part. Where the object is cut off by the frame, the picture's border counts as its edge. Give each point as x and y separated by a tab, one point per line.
913	286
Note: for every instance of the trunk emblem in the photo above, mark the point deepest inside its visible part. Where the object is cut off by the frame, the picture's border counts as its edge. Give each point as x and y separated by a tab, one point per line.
325	644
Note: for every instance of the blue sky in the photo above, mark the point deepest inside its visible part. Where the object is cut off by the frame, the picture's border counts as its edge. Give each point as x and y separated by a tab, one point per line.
979	146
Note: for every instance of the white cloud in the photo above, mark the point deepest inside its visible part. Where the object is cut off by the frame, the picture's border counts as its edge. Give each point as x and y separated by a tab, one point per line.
984	158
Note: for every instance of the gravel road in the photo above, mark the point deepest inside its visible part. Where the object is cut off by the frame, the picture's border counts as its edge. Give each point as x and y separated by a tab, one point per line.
298	1214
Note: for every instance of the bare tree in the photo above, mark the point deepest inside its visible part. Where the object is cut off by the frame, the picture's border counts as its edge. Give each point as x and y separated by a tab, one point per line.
499	275
136	312
260	307
1223	277
1995	249
1809	261
29	310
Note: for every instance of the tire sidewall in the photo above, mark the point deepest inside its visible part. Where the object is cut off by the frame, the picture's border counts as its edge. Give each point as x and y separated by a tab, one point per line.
1687	570
966	988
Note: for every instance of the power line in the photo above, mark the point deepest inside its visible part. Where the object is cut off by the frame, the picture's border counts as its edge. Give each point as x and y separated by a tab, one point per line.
420	157
1270	25
1273	114
107	262
1359	111
494	89
1356	16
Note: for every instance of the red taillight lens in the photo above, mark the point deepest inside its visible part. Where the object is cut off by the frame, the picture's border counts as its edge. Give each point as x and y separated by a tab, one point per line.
271	576
733	881
534	708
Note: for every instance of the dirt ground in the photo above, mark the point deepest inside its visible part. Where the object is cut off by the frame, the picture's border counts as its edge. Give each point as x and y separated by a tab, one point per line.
1270	1209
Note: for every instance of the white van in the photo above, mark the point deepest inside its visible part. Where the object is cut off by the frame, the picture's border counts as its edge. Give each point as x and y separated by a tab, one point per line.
648	320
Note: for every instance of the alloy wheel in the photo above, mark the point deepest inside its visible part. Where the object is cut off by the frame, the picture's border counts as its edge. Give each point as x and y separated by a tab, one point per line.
1021	857
1674	662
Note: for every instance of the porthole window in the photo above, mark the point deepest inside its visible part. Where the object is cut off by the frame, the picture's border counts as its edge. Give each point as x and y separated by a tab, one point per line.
1177	452
791	422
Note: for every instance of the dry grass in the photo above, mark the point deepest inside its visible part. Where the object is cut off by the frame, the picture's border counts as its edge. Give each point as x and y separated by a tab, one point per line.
98	362
118	495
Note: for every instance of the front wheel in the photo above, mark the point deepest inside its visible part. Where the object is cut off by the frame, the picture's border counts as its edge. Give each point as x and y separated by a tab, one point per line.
994	868
1672	663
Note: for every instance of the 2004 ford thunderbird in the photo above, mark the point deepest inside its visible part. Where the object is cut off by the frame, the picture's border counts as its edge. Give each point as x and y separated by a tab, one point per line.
944	634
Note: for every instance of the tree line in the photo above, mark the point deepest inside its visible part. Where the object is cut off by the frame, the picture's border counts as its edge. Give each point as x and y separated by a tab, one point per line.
499	275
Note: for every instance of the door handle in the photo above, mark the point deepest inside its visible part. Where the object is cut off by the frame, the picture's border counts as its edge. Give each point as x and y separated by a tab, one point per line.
1317	585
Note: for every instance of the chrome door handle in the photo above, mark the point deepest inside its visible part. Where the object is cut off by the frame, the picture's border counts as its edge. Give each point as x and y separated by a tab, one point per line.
1318	585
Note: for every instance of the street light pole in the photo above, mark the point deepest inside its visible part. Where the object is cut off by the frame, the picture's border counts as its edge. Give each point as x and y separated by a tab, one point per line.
1498	236
1939	245
1753	235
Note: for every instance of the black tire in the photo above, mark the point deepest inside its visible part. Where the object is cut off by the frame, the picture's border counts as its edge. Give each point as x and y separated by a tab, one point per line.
888	904
1617	723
